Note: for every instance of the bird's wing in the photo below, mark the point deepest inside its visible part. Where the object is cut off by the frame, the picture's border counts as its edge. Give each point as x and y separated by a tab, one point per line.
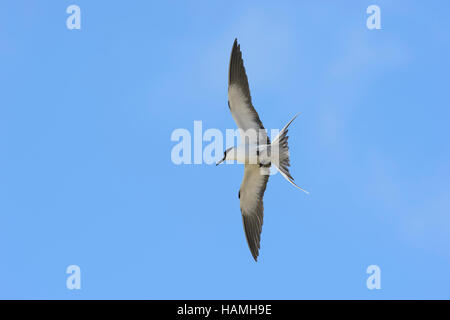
251	195
240	101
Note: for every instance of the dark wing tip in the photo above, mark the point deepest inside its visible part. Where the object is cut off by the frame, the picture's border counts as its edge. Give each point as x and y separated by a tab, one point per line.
236	72
252	228
235	62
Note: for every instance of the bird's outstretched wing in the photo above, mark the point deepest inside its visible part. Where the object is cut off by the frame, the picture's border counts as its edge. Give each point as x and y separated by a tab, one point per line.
251	195
240	100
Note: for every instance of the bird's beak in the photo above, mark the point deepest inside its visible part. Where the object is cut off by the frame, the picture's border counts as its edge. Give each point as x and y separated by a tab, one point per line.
220	161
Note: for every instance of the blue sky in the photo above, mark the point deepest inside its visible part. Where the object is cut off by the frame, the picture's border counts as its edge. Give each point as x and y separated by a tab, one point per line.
86	176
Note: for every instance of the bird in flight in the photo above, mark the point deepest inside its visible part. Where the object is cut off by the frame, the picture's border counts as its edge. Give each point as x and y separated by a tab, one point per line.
256	151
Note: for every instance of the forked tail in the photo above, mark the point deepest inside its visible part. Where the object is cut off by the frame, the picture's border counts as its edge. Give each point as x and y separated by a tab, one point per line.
280	154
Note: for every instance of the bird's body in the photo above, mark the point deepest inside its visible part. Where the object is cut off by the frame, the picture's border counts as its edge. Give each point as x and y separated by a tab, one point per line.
256	151
251	154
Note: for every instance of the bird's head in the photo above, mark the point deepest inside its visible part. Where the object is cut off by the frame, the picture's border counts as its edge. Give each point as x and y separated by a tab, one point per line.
227	155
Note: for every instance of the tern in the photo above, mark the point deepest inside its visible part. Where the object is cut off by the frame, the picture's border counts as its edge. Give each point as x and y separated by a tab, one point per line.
256	151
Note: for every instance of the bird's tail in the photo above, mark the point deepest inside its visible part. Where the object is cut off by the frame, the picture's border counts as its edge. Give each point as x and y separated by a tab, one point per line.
280	154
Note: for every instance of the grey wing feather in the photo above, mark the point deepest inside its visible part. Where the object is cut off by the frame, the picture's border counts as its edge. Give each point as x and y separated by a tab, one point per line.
239	98
252	208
